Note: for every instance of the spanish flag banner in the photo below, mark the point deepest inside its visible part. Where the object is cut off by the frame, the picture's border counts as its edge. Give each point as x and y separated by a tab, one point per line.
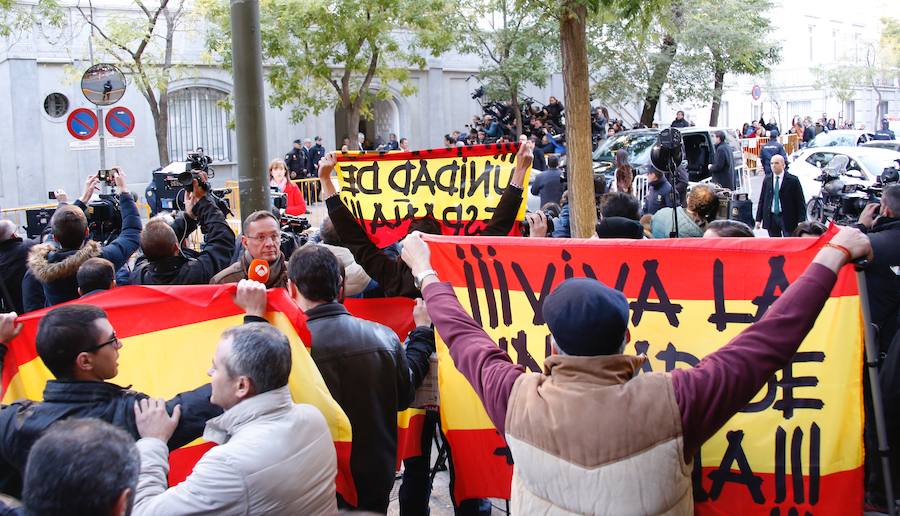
460	187
796	448
170	335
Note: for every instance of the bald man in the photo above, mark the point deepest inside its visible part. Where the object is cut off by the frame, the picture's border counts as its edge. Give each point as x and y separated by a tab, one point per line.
781	202
13	259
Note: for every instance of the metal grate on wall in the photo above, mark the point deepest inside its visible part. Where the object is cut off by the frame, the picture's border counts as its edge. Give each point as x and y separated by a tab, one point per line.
196	119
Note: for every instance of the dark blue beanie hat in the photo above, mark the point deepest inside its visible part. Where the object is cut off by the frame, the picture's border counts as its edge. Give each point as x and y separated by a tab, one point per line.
586	317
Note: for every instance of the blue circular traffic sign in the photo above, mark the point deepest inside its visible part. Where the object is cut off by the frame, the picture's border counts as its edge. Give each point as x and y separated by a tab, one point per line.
82	124
120	122
756	92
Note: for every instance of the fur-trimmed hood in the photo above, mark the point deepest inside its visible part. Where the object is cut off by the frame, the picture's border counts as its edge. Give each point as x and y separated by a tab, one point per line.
48	264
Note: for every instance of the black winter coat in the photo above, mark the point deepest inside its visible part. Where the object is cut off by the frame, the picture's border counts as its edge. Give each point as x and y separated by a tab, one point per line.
50	279
722	169
371	377
24	421
882	282
13	264
391	272
179	270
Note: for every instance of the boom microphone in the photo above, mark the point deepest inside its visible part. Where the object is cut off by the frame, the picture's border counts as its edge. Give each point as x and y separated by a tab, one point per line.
258	271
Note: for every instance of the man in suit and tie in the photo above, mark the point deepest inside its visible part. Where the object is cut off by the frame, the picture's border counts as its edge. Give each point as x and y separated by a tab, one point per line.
781	203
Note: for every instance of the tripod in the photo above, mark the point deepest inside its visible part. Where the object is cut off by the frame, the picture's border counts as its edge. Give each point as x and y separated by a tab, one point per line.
872	368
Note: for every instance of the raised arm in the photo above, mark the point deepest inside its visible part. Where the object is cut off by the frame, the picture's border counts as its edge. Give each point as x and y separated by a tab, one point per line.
488	369
504	216
726	380
393	275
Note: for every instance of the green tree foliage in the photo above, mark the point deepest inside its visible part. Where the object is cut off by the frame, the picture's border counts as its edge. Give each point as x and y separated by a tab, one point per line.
684	47
142	46
16	17
517	44
324	54
719	38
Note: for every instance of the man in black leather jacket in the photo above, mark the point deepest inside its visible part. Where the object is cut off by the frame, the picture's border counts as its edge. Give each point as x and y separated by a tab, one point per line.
79	346
367	371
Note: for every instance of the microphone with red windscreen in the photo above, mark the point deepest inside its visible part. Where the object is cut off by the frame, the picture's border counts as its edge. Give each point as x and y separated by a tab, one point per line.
258	271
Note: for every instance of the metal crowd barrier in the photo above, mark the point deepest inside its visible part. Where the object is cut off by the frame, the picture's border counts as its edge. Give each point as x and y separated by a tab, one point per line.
751	147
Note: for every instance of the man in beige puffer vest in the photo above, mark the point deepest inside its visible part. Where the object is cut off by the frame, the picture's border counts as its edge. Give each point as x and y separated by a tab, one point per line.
590	436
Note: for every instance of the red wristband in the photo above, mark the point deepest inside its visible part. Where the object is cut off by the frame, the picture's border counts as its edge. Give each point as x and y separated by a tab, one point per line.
841	249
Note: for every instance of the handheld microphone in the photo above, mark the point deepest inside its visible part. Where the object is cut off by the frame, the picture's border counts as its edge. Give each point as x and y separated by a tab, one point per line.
258	271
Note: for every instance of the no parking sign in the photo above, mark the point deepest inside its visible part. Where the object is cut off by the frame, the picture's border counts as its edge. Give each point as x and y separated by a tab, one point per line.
120	122
82	123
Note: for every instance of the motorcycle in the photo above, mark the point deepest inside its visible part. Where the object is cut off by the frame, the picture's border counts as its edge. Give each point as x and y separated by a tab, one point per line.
842	202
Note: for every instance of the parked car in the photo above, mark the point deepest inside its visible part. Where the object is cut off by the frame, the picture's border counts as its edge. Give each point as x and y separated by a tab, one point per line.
865	165
841	138
698	147
893	145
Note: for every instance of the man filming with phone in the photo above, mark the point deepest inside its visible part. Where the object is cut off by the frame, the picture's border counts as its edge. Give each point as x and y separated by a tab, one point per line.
164	262
52	266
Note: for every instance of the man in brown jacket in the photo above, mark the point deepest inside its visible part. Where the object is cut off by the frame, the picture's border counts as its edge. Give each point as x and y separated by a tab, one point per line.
261	239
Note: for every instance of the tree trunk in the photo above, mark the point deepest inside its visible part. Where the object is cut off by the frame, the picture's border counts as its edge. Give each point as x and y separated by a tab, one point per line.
658	79
162	131
878	114
351	114
517	111
573	44
718	85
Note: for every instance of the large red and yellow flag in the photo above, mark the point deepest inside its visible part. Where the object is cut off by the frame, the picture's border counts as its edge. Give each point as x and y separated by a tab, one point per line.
170	335
460	187
796	447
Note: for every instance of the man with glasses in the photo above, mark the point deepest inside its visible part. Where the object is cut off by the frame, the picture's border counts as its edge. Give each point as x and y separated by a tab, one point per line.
79	346
261	240
166	263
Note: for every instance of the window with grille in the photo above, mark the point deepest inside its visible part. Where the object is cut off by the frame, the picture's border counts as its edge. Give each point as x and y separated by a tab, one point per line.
196	119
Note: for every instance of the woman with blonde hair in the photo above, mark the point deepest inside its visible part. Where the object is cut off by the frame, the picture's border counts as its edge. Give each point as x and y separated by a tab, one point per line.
278	178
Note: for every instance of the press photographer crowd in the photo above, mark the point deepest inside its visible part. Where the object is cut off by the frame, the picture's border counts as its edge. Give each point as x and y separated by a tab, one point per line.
93	447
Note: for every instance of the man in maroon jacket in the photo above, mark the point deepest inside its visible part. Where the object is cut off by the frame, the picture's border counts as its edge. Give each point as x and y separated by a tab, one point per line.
558	424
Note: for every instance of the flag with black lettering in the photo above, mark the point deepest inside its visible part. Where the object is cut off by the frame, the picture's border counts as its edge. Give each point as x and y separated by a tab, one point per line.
795	449
169	336
460	187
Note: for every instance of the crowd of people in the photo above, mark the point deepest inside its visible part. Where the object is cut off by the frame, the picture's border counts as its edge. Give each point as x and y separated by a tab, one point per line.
91	447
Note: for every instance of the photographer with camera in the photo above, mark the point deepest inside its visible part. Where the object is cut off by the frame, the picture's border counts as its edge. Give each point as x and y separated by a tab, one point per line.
261	241
52	266
164	262
881	222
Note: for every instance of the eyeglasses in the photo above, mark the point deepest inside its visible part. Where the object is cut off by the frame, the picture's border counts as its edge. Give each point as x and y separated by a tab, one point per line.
113	341
274	237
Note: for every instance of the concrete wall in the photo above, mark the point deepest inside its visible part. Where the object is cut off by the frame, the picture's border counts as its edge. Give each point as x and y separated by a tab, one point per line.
39	154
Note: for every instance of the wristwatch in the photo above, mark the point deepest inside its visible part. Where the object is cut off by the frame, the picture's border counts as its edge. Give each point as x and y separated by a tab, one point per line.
420	277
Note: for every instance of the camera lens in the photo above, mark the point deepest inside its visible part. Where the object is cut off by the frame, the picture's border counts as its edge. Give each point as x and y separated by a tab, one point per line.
186	178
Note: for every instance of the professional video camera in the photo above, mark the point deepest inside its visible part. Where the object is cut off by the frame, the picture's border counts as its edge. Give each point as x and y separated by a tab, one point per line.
292	233
279	198
104	218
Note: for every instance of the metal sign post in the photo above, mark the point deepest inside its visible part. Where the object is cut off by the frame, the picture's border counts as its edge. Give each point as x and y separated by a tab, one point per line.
102	85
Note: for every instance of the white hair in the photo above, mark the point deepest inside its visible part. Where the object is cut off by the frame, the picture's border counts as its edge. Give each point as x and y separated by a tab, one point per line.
7	230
